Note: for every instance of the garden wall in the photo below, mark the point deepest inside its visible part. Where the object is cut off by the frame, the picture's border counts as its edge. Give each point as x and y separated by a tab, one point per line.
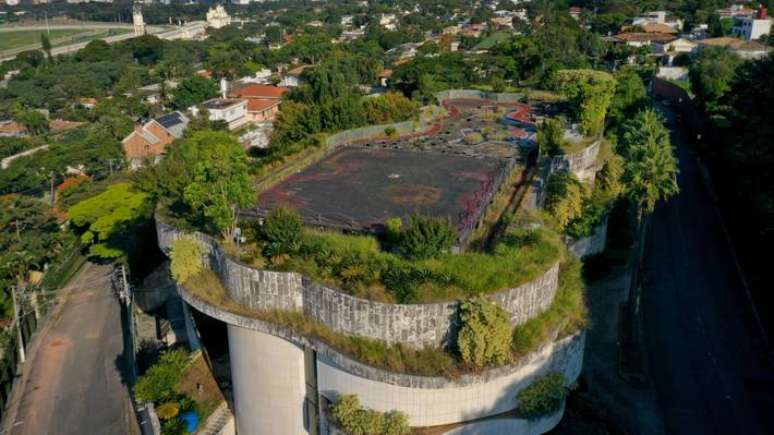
416	325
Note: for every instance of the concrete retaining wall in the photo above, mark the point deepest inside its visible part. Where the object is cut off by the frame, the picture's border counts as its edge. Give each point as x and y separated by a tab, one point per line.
428	400
510	426
590	245
416	325
582	164
451	403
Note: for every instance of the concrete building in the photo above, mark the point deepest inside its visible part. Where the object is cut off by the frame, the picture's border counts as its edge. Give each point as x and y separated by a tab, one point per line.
750	28
217	17
263	101
231	111
284	379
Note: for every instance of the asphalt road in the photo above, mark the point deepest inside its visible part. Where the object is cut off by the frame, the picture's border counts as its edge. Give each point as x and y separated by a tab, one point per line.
74	385
706	354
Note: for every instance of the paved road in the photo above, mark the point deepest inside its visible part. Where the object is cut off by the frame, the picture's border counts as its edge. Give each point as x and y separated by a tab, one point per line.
74	386
705	351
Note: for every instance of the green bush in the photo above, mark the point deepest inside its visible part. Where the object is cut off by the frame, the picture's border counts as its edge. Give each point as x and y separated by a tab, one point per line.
485	336
158	383
564	198
550	137
282	231
426	237
543	397
353	419
186	258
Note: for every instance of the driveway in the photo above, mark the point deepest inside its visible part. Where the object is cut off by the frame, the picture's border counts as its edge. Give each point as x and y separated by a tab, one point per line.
706	353
73	384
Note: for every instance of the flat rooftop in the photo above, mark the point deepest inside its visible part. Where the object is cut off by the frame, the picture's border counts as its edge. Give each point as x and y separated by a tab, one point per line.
221	103
359	188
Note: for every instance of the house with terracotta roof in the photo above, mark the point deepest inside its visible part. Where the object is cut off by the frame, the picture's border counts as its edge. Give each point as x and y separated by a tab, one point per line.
12	129
642	39
744	49
150	140
263	101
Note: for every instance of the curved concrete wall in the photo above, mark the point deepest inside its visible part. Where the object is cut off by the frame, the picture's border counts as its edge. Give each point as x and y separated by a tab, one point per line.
268	376
590	245
510	426
416	325
452	403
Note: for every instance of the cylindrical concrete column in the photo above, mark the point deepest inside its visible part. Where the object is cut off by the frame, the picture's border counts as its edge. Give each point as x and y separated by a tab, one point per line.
267	375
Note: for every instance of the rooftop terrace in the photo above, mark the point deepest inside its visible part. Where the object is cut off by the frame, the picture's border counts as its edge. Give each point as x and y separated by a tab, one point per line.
452	170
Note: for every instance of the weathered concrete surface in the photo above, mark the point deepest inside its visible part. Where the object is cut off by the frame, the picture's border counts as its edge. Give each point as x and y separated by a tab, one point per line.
75	384
582	164
415	325
589	245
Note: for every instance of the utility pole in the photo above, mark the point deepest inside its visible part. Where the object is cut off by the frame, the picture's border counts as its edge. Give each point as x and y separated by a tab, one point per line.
16	320
53	192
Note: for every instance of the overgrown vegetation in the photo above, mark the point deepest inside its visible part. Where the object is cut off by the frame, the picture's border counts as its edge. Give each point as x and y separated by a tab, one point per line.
186	258
543	397
565	316
426	237
485	335
354	419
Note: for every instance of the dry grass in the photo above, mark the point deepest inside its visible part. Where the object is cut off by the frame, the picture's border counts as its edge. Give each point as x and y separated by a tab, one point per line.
209	396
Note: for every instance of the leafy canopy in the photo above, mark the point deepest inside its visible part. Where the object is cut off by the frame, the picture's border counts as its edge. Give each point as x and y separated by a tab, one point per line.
106	219
543	397
590	93
650	171
221	182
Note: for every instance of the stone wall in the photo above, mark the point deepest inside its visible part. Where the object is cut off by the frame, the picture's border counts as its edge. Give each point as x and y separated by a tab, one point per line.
415	325
582	164
590	245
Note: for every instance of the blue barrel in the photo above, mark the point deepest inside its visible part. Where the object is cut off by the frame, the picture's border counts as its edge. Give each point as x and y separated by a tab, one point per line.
191	419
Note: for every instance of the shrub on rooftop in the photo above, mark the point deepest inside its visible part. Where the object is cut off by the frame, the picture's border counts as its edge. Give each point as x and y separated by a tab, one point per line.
354	419
485	336
186	258
282	230
543	397
426	237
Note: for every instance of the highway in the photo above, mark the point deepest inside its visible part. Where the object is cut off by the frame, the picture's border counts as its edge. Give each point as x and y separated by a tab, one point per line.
188	30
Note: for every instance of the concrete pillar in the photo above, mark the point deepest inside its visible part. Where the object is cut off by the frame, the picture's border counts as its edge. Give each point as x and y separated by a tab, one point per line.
267	374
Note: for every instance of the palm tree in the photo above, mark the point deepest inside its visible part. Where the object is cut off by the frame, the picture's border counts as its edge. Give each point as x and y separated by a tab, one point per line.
650	171
650	175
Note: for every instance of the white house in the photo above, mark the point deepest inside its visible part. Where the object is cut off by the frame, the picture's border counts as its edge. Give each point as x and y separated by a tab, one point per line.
750	28
232	111
657	17
388	21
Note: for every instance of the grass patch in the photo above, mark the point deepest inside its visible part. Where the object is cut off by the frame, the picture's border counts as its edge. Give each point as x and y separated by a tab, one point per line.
209	397
567	314
356	265
571	147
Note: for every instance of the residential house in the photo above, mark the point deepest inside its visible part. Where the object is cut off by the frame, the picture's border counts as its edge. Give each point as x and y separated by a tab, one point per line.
744	49
150	140
87	102
642	39
750	28
388	21
12	129
673	48
229	110
263	101
735	11
657	17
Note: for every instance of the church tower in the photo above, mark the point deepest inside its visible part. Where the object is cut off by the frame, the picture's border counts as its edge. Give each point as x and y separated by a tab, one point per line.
139	24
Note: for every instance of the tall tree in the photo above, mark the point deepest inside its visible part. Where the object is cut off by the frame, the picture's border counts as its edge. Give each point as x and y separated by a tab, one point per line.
650	171
45	44
221	181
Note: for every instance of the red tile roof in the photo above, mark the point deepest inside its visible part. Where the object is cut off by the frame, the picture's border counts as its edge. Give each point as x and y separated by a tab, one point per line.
259	91
258	104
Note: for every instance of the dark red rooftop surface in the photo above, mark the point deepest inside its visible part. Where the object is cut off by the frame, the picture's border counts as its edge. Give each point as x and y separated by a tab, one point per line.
360	188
